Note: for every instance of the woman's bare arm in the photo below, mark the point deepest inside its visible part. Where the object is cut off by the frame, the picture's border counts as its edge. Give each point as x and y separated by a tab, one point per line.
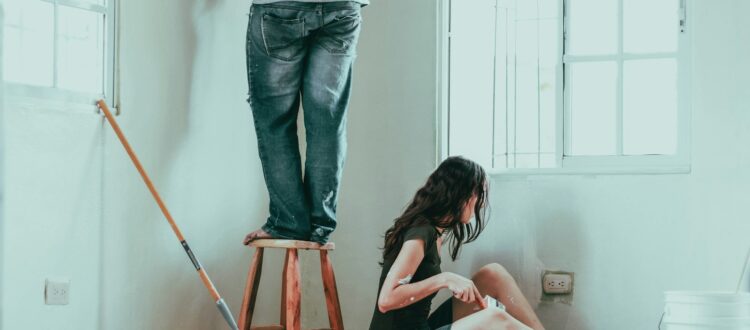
395	295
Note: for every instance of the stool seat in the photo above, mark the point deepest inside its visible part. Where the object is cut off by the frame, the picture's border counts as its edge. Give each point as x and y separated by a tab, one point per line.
291	295
291	244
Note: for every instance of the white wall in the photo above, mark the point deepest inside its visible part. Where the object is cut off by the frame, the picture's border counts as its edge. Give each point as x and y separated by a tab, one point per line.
629	238
51	217
193	131
183	108
77	208
185	113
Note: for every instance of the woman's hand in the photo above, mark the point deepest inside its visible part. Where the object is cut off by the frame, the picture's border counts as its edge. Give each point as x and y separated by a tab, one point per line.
462	288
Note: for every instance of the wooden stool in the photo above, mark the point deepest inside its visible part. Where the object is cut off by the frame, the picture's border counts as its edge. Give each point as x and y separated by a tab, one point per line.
290	286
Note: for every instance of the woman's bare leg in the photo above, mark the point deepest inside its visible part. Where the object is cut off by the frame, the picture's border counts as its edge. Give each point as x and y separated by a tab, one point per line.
495	281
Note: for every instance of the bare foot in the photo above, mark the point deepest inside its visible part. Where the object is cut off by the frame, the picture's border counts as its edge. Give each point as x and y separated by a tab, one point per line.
258	234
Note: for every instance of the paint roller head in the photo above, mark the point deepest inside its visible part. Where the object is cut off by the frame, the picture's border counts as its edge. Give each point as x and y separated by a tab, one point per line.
224	309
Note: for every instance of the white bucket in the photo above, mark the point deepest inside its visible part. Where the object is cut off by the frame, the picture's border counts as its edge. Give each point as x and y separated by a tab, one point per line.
687	310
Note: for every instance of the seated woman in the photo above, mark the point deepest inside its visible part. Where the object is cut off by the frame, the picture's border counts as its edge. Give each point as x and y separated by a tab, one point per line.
443	208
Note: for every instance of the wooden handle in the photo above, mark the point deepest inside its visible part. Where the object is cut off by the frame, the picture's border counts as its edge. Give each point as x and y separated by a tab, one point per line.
111	119
139	167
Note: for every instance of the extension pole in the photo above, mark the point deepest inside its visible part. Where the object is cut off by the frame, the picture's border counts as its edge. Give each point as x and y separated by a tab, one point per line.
223	308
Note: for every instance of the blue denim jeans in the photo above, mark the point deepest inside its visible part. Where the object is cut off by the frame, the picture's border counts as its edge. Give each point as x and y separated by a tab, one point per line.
301	54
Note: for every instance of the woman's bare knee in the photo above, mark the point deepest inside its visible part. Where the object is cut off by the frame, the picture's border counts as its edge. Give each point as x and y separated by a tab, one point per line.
502	320
499	319
488	318
493	272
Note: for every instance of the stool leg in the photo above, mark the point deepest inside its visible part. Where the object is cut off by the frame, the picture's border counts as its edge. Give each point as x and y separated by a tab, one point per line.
251	290
282	310
292	292
332	296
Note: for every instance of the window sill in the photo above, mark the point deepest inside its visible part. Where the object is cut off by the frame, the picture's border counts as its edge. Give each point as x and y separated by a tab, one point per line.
540	172
32	98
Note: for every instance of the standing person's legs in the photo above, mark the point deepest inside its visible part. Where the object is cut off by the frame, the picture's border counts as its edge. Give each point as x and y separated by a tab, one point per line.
495	281
325	99
276	52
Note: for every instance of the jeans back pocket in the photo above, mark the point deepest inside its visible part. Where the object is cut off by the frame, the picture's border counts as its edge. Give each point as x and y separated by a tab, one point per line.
283	38
341	34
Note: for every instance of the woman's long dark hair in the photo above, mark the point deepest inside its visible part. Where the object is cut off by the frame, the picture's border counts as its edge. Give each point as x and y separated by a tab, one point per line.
440	203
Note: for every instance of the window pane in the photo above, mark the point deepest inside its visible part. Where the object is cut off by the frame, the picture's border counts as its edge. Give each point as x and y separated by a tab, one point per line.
592	27
548	9
549	62
527	89
501	161
593	100
27	45
527	61
505	47
81	50
548	160
548	111
471	80
650	25
650	107
524	160
526	10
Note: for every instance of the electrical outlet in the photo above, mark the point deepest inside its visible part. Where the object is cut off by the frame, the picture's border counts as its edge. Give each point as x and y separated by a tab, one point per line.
554	282
56	292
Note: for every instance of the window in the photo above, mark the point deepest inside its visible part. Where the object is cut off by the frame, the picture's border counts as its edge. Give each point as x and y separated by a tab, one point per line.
583	85
59	50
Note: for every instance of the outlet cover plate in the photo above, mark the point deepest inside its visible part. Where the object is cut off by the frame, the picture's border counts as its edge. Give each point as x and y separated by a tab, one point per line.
557	282
57	292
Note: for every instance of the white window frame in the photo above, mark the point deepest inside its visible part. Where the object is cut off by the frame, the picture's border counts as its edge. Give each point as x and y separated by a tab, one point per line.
31	97
570	164
2	163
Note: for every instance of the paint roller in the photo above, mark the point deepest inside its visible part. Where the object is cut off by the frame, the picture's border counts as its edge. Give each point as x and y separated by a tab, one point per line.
220	304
